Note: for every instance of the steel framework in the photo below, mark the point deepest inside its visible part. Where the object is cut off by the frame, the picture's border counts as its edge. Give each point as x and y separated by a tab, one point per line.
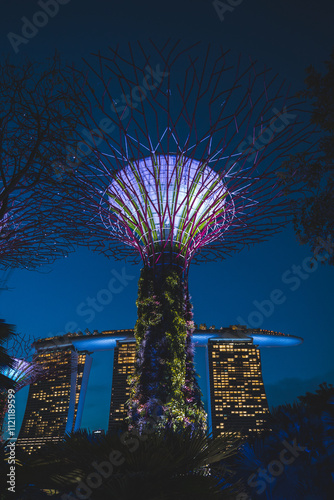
180	151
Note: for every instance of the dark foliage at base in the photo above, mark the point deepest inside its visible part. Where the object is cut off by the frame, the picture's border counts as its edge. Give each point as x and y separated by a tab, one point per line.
159	466
295	461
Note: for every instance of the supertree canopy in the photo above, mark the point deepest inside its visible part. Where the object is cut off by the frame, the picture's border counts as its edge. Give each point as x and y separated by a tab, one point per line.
19	369
22	373
179	161
172	206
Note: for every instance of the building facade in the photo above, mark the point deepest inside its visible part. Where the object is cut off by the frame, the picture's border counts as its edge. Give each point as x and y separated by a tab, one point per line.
238	398
55	402
233	380
124	365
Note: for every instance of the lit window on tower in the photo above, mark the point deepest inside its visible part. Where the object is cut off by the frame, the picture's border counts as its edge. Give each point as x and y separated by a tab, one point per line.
238	399
53	400
124	365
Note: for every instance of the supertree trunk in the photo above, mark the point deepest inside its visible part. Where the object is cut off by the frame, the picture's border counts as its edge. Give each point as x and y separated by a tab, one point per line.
165	391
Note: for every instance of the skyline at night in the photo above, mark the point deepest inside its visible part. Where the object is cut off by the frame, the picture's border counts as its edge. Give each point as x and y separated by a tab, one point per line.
270	285
56	405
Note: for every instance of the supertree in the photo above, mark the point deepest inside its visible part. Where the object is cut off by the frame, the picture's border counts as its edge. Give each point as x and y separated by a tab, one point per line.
179	162
19	367
21	374
37	121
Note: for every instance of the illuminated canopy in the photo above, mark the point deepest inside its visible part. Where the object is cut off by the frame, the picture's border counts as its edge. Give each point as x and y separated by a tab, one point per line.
169	201
23	372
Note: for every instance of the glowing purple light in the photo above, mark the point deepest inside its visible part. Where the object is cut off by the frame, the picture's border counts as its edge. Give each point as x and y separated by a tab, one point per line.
22	373
169	200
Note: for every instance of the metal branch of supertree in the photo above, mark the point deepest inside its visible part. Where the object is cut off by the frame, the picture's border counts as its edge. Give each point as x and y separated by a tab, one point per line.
20	346
181	152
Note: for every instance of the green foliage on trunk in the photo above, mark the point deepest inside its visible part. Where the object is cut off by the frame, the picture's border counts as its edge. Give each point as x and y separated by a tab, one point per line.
159	385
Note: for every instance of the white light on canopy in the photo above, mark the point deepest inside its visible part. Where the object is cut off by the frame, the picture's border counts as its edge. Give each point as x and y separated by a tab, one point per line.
21	370
170	198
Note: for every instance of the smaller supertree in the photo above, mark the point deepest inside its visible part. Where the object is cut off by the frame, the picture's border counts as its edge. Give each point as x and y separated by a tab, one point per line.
6	361
21	374
17	372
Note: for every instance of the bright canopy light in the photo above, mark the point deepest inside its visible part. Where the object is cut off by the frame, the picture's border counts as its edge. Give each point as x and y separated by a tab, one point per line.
169	202
22	373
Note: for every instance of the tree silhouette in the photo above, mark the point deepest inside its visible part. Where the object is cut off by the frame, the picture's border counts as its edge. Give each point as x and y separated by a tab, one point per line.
295	459
314	212
37	122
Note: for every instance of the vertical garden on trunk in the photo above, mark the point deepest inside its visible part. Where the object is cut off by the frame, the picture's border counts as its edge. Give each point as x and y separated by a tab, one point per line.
164	389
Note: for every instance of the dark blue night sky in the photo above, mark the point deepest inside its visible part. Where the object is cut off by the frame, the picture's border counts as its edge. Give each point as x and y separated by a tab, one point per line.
287	36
